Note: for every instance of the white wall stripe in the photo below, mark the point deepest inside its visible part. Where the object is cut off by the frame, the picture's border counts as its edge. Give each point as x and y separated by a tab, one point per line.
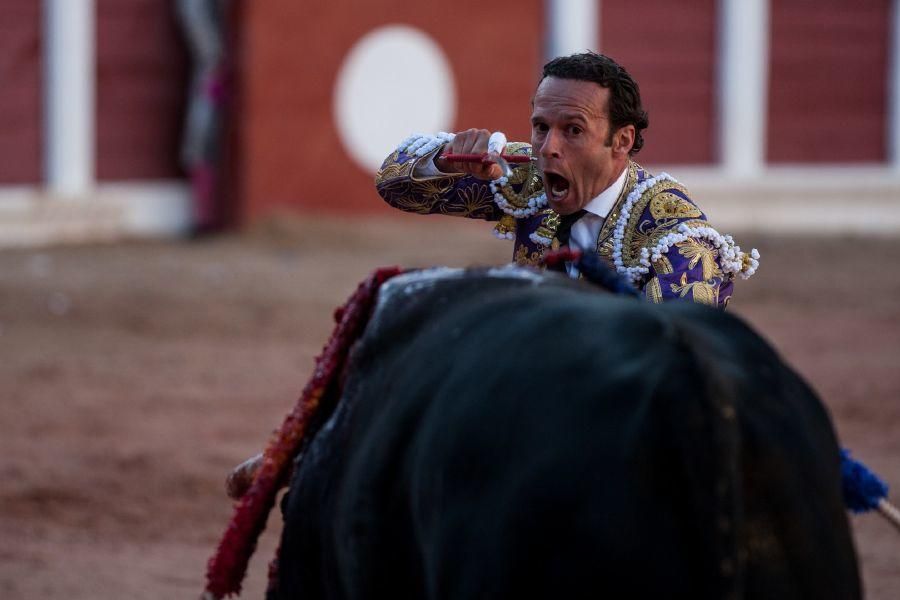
69	91
572	26
743	85
893	107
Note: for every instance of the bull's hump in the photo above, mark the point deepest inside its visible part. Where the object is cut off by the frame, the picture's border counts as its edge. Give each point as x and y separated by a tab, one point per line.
417	281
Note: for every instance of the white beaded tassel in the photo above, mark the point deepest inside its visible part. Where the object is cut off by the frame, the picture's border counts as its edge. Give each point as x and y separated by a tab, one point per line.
420	144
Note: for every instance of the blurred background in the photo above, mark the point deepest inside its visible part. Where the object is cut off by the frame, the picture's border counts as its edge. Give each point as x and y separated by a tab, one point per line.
160	118
186	192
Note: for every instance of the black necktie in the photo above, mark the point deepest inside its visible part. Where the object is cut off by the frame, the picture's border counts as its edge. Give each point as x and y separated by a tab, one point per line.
565	226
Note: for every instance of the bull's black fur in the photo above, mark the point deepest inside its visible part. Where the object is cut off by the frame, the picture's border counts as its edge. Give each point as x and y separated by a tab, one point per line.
501	438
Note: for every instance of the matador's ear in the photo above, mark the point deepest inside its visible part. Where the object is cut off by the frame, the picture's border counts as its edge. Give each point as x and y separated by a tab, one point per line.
623	139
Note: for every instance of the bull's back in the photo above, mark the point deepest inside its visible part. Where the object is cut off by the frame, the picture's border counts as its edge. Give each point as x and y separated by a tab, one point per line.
511	437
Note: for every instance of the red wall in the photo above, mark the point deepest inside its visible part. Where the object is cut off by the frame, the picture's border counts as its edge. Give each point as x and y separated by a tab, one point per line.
670	50
290	154
827	89
141	89
21	106
828	77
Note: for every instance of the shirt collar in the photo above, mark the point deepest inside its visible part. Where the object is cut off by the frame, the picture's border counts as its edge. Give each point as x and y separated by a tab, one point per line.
602	204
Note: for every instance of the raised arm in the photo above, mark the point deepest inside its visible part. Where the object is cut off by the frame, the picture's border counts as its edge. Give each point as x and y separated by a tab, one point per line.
414	178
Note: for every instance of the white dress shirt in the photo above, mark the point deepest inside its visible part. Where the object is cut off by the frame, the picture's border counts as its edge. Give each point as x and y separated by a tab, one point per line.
586	230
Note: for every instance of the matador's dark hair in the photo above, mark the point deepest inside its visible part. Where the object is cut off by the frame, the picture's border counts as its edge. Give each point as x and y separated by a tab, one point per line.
624	95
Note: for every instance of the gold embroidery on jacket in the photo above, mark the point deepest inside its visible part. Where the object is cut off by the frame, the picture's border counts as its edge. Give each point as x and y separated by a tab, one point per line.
524	259
653	291
701	291
699	251
667	205
473	198
531	186
638	235
663	266
518	148
505	226
432	189
549	225
393	169
412	204
526	174
604	240
519	175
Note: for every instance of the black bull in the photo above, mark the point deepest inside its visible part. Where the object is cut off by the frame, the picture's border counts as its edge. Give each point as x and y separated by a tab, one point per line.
515	435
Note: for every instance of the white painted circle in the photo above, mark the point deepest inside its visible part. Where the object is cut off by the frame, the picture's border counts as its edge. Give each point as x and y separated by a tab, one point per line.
395	81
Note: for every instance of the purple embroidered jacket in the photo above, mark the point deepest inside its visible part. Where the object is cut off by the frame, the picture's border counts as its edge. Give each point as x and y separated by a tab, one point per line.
684	265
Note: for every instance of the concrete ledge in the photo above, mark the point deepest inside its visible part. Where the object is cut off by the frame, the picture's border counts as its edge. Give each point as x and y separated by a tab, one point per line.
29	216
853	200
834	200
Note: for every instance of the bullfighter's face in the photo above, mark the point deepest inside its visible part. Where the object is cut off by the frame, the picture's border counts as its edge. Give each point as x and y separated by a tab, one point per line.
577	152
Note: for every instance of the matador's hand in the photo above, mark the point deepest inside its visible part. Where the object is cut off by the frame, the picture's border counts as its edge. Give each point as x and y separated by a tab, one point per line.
238	481
471	141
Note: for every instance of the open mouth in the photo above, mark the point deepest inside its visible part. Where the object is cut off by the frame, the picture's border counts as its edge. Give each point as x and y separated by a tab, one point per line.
557	186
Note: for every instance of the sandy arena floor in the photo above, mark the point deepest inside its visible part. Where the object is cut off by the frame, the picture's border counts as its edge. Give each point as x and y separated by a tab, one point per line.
133	376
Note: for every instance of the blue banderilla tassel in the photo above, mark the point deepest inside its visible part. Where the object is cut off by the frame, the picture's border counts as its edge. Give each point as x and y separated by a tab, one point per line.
864	490
596	270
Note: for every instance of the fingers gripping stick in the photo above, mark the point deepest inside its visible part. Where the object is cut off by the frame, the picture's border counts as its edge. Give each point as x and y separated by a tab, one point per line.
486	158
496	146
